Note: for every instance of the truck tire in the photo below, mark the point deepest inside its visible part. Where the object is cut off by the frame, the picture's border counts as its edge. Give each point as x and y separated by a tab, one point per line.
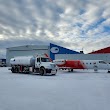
108	71
13	70
42	71
16	69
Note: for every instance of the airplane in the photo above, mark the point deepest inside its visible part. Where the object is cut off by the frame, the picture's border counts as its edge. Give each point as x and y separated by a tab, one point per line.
82	64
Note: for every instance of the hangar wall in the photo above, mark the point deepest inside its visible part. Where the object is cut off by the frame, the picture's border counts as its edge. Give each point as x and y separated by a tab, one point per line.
26	50
105	57
56	50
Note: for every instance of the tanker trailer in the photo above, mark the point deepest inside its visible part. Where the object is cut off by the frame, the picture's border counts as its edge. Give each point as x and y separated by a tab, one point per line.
22	64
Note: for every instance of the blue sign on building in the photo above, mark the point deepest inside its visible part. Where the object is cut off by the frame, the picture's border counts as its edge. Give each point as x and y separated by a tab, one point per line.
55	49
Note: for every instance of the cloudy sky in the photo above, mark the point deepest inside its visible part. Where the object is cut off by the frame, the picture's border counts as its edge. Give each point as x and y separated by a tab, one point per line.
74	24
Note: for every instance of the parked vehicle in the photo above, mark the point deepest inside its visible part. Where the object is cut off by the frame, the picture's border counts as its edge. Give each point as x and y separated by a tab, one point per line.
2	64
33	64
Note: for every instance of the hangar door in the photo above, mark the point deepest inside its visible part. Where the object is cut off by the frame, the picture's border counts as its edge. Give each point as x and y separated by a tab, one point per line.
14	53
27	52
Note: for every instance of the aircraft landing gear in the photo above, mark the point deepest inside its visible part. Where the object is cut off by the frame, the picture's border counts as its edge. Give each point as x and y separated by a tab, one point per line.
70	70
95	68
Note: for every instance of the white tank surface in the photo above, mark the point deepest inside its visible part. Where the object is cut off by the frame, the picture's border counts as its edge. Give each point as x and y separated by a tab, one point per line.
23	60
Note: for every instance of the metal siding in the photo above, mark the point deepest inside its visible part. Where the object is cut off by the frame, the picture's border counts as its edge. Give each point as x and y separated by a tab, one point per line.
25	51
28	47
105	57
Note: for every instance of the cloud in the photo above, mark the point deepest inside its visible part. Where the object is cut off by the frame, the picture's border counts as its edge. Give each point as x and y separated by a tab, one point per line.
75	24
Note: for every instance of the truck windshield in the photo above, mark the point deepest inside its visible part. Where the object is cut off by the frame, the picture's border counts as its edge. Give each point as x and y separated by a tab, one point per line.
45	60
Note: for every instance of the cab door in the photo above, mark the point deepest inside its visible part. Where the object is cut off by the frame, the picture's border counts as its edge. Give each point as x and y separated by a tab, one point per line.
38	62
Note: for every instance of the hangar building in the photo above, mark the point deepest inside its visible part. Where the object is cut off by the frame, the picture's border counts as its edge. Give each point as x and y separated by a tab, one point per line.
28	50
56	52
102	54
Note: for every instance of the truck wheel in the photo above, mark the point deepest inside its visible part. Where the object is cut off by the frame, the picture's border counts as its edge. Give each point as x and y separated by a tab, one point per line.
16	70
42	71
108	71
13	70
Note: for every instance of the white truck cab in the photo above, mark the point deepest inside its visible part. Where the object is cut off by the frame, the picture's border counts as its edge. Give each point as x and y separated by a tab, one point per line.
44	65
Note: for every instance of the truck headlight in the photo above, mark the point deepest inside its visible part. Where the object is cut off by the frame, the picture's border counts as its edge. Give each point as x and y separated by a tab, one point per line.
48	66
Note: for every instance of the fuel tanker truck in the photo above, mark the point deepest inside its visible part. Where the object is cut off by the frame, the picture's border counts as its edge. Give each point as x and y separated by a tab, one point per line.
33	64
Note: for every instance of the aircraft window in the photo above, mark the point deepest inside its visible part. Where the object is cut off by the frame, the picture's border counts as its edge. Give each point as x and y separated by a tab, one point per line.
90	63
86	63
102	62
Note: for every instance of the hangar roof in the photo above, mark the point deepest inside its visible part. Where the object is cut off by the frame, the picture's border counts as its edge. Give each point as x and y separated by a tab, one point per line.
104	50
27	47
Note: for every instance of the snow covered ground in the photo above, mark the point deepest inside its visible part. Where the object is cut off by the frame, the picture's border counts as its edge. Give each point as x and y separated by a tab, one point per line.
81	90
